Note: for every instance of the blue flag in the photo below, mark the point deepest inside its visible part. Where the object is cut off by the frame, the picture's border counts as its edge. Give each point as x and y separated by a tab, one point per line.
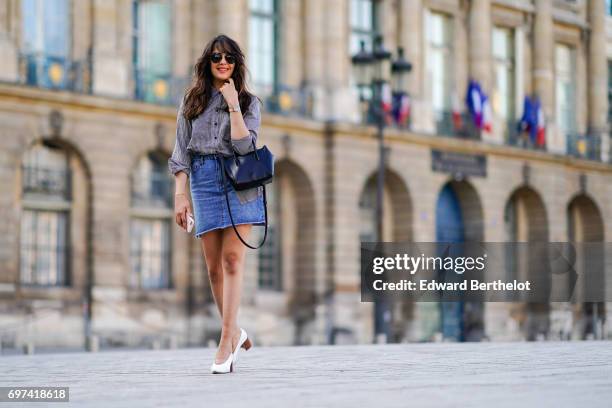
529	120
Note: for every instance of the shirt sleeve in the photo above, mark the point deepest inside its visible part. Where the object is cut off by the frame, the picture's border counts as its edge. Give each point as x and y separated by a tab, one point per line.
252	120
181	158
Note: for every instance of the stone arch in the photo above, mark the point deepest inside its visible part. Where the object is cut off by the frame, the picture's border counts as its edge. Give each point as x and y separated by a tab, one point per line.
586	231
526	212
80	207
588	218
151	222
397	219
526	221
459	219
470	207
296	207
397	227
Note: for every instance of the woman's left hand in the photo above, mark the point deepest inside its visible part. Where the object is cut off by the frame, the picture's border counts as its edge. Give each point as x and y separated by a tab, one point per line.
229	92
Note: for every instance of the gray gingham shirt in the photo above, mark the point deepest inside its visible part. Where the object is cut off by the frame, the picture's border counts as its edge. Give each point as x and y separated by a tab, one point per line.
211	133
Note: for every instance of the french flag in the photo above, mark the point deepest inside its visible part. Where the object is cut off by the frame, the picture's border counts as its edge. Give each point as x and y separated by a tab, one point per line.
487	114
533	121
457	123
473	100
387	102
479	106
401	108
540	124
525	124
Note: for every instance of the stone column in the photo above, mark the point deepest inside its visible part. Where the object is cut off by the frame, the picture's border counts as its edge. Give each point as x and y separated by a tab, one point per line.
340	102
387	23
203	26
8	43
461	53
292	37
597	74
543	74
314	54
411	37
480	43
232	20
543	54
110	68
181	39
480	57
81	28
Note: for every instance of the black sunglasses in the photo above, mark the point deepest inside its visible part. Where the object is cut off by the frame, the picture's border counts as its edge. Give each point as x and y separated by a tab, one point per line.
217	56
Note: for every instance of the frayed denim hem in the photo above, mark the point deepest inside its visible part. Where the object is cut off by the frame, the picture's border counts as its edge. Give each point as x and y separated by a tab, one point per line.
199	234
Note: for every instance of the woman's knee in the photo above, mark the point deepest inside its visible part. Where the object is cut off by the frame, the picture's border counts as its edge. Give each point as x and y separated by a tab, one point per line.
231	261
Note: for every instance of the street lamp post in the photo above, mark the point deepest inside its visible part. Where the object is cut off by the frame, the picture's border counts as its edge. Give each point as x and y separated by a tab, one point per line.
374	70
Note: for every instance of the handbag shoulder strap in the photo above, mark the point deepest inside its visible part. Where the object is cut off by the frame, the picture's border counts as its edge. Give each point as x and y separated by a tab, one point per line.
229	209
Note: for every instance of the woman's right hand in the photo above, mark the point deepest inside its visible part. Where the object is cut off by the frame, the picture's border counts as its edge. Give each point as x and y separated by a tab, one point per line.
182	207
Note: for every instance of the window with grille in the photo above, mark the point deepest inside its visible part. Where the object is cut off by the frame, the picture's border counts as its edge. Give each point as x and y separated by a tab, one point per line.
364	27
504	65
439	60
152	50
263	45
565	88
150	224
45	55
45	220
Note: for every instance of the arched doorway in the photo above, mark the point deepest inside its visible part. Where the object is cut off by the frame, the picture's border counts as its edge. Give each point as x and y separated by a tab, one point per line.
525	221
55	237
459	219
286	262
151	216
586	229
394	318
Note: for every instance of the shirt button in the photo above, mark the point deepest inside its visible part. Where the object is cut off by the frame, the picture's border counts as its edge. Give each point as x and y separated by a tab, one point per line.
215	123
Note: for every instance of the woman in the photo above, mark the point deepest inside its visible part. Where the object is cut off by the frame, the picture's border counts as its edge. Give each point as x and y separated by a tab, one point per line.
217	117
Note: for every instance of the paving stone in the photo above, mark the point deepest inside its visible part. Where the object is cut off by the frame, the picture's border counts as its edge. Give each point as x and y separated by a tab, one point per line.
555	374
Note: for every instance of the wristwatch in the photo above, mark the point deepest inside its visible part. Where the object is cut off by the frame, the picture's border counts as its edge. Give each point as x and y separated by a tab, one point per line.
234	108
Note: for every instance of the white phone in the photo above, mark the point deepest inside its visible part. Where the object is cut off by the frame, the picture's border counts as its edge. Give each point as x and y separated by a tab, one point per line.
190	222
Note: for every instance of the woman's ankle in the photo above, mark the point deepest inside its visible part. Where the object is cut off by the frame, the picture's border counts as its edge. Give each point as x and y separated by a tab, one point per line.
230	330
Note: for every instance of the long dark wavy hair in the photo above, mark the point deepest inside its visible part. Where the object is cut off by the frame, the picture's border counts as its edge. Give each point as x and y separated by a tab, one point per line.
198	94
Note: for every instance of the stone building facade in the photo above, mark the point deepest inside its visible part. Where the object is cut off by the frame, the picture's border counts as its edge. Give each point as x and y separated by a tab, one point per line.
88	246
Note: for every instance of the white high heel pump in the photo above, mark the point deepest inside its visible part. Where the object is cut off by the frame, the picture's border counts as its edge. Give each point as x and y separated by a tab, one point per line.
242	342
223	368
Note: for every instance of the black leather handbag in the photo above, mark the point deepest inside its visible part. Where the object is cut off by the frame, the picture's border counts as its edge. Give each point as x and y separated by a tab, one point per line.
253	169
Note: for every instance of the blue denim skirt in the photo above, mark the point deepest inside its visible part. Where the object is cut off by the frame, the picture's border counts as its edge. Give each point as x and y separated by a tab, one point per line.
209	203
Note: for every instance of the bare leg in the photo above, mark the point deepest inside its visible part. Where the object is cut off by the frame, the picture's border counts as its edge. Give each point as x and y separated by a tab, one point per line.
232	260
211	243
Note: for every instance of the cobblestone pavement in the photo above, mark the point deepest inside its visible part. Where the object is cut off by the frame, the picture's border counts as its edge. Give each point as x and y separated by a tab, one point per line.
543	374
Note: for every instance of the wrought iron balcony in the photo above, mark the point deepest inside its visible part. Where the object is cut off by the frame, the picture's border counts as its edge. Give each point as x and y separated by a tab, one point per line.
53	72
584	146
516	138
158	88
290	101
370	116
50	182
462	127
155	190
